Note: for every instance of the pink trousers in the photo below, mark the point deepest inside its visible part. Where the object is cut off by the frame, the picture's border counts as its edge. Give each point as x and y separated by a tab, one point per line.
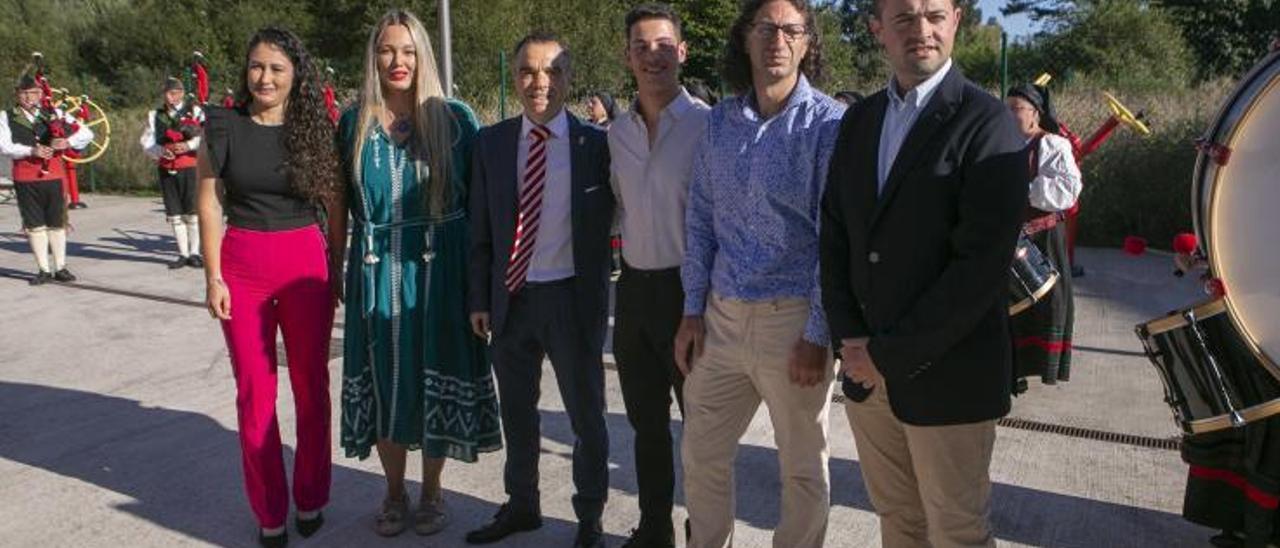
280	280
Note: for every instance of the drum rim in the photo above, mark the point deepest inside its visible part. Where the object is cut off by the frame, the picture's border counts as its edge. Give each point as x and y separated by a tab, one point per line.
1026	302
1262	80
1225	126
1222	422
1176	320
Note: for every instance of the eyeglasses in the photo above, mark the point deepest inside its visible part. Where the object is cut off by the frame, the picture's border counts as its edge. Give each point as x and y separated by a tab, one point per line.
790	32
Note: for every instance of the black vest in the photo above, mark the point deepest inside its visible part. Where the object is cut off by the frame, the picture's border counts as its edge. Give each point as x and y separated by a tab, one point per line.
164	122
21	130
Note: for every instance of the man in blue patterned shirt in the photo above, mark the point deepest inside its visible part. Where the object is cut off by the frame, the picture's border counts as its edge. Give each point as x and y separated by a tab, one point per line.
753	326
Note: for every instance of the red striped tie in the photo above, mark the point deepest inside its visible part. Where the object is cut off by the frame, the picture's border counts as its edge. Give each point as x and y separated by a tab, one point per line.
530	209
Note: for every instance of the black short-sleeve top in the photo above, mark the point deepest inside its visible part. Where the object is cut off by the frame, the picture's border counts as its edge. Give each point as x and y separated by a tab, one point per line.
250	159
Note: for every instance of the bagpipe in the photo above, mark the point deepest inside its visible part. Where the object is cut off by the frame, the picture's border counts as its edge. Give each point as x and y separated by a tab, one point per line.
52	123
189	121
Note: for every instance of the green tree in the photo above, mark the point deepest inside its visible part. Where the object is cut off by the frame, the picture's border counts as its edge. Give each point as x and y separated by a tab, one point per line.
706	29
47	26
1114	43
868	65
1227	36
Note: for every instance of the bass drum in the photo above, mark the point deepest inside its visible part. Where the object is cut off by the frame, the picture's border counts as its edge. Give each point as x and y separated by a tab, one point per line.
1236	205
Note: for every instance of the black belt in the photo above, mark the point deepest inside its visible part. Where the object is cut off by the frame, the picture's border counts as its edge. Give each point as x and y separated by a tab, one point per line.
562	282
673	272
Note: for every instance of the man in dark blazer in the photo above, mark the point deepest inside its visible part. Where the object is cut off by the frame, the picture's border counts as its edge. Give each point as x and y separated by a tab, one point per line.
919	223
541	211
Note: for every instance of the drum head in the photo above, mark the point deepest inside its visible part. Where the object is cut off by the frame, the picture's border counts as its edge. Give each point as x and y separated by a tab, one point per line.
1239	212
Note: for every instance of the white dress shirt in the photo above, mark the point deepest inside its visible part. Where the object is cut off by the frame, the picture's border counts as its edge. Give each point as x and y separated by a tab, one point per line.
652	183
1057	184
148	139
900	116
553	249
78	140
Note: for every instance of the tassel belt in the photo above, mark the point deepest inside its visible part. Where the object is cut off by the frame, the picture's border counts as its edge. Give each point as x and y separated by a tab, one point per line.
371	233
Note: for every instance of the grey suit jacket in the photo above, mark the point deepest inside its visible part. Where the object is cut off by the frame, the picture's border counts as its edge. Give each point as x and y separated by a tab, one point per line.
494	183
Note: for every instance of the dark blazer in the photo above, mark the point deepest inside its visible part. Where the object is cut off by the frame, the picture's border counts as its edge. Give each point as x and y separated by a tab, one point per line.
923	269
494	184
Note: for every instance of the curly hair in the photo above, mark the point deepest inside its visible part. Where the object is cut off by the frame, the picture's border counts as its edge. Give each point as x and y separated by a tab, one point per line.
735	64
311	162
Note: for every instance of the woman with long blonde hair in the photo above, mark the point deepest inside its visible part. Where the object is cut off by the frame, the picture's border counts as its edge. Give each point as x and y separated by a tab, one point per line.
414	377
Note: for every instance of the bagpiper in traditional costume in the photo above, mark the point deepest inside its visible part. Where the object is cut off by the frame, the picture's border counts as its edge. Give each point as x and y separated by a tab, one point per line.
171	138
35	134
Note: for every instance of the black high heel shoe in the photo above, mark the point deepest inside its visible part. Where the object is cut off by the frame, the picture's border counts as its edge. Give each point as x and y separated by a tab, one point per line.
308	527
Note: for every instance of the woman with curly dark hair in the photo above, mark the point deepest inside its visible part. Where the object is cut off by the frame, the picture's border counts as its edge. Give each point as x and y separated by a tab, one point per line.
270	167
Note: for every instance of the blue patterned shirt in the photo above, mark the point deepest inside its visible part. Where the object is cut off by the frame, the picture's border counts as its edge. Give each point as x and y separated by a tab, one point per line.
752	219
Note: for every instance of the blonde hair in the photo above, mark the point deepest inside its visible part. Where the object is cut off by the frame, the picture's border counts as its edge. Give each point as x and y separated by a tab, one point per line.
432	120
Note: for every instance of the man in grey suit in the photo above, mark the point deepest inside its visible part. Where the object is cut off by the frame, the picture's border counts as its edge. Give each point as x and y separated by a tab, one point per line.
541	211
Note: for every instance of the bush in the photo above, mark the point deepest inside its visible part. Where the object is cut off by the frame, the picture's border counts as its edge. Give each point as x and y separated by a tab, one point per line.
124	168
1140	185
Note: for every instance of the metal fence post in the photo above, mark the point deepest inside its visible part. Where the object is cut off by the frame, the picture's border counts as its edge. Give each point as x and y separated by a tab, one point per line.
446	48
1004	63
502	85
93	179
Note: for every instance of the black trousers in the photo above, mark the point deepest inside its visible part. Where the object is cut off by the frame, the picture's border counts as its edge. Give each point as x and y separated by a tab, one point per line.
542	321
649	306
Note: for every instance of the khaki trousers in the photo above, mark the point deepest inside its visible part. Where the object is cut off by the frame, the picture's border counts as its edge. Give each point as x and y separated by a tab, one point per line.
929	484
744	361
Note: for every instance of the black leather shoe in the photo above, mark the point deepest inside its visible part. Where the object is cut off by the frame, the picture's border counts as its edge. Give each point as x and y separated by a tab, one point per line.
274	541
78	205
178	263
41	278
590	535
1227	539
308	527
649	537
506	522
195	261
64	276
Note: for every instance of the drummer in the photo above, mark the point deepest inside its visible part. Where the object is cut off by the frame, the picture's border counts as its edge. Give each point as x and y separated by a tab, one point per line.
1042	333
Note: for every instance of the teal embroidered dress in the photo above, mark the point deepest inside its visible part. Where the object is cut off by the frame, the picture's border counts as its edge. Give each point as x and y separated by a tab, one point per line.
413	372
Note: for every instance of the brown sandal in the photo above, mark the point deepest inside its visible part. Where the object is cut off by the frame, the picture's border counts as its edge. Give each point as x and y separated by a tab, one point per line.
390	521
431	516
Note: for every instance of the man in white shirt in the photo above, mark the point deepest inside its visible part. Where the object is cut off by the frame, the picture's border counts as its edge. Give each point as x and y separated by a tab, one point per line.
652	149
27	138
170	139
